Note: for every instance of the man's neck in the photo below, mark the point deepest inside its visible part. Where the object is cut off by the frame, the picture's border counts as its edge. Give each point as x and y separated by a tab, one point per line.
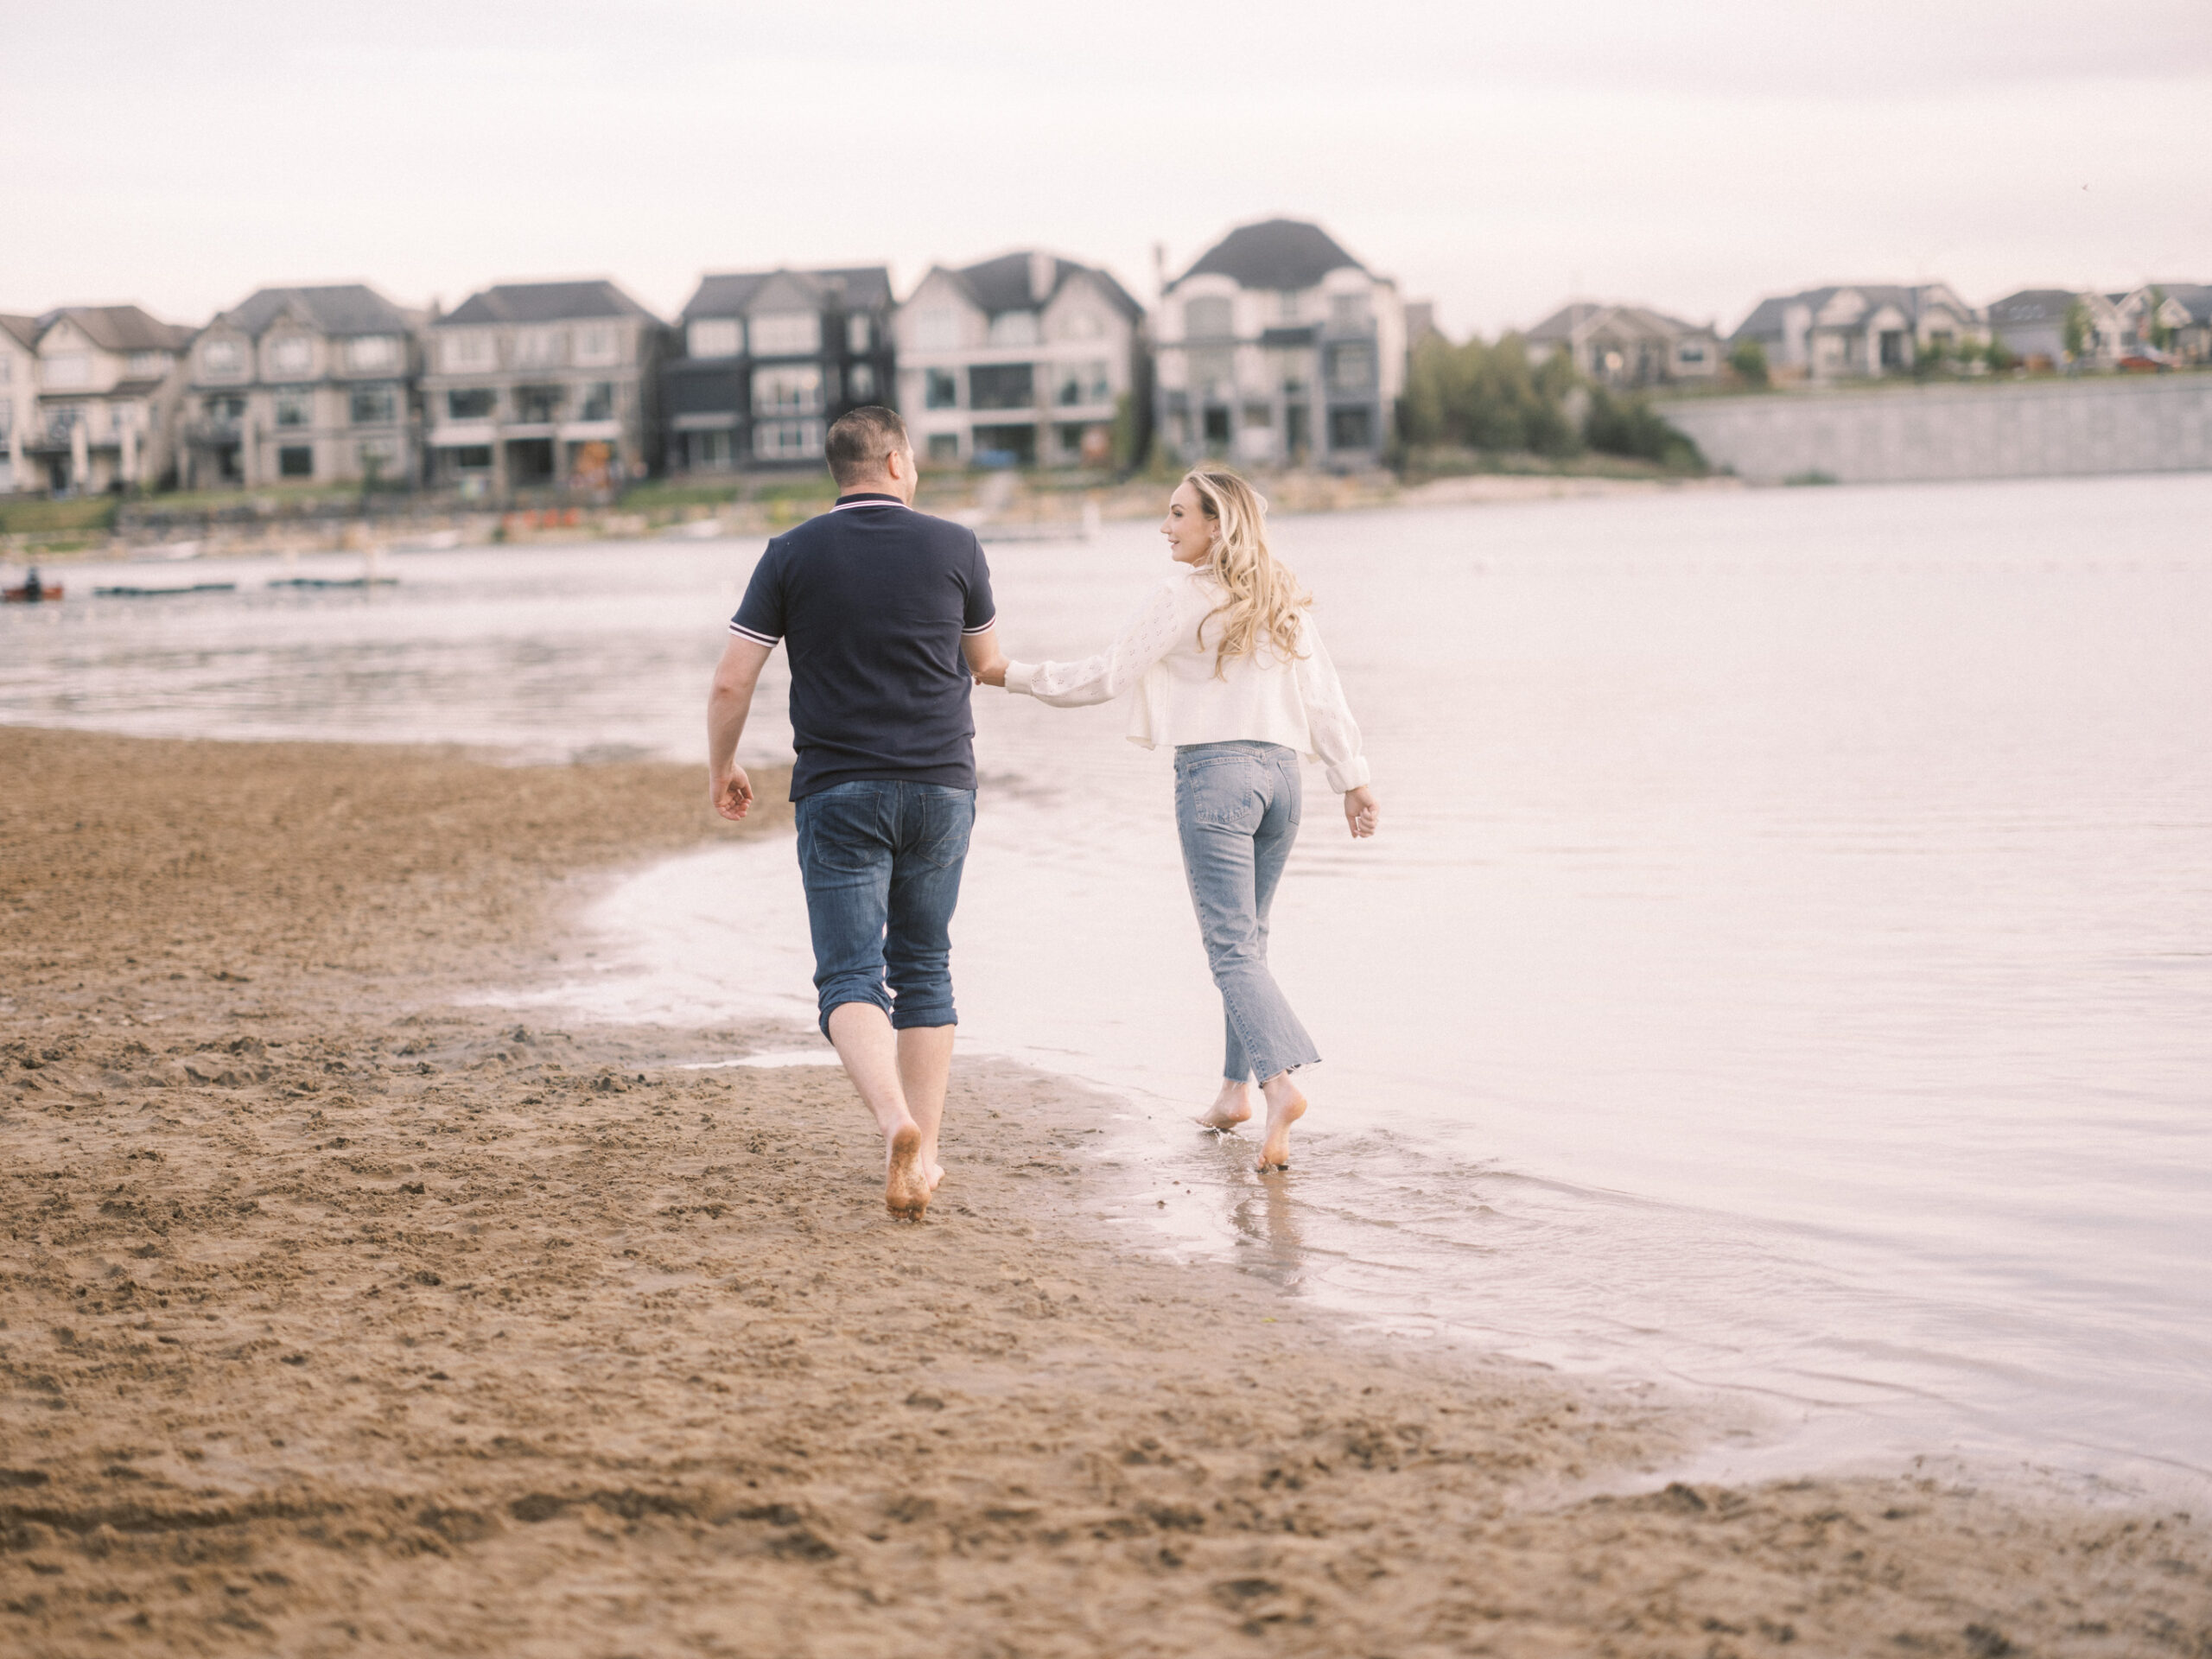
876	487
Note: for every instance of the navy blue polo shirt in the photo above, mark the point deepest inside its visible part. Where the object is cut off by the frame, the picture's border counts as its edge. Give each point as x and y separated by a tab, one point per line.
874	599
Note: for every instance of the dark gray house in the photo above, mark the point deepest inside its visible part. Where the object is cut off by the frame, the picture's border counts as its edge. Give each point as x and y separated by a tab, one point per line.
543	385
764	360
1278	348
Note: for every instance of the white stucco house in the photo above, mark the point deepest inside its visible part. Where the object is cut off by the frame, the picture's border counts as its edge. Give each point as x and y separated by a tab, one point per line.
1859	330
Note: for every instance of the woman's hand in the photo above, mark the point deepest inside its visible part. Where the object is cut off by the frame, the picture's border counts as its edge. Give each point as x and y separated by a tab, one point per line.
1362	811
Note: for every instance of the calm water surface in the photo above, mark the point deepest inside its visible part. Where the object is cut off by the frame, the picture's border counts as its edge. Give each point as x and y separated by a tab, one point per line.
1786	969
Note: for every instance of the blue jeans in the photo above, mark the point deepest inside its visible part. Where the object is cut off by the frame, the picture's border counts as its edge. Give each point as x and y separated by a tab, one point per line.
881	859
1237	807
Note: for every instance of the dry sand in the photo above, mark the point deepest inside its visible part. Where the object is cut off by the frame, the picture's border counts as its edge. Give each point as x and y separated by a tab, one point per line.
339	1316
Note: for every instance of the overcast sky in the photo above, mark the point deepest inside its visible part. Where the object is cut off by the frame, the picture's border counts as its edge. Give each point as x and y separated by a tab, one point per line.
1496	157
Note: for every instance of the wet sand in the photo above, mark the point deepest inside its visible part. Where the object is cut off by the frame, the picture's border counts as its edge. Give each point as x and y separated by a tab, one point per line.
338	1314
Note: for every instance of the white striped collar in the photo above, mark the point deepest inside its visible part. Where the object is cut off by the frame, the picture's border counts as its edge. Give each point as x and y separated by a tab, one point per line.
873	499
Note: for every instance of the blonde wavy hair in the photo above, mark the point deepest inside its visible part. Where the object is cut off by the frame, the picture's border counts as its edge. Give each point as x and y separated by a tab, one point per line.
1265	601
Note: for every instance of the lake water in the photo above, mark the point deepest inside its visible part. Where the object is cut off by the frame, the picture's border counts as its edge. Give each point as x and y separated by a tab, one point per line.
1785	970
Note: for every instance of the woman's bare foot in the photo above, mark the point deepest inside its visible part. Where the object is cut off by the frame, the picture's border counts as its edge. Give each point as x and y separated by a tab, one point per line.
906	1178
1285	1106
1232	1106
936	1172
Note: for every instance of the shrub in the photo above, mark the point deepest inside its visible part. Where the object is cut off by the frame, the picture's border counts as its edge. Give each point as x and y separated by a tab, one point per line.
1629	426
1749	360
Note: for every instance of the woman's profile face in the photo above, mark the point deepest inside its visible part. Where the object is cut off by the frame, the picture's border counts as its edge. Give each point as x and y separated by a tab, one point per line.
1188	531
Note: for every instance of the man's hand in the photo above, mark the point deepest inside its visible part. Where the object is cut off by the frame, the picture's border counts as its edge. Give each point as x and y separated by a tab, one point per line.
1362	811
990	673
731	792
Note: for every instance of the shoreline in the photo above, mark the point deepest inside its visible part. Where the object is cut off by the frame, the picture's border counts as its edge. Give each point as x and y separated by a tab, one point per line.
341	1314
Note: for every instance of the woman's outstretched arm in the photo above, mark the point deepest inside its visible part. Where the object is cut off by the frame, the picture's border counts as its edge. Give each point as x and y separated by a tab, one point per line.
1336	734
1102	679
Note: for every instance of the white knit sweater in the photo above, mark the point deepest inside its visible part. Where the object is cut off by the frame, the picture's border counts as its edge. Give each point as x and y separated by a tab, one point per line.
1266	696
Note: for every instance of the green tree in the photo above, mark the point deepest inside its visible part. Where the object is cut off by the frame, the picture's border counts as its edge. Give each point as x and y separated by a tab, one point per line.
2075	336
1749	360
2157	331
2001	358
1629	426
1477	395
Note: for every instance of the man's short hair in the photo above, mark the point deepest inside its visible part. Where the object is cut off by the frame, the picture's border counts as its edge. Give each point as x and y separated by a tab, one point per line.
860	440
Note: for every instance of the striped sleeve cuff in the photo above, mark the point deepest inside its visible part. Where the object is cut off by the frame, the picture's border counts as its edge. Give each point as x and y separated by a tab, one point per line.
758	638
984	627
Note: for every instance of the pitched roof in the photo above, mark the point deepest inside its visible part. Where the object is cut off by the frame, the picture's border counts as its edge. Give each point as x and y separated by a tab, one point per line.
1279	253
2195	297
1003	283
336	308
543	302
728	294
22	330
1765	321
2034	305
121	327
1582	319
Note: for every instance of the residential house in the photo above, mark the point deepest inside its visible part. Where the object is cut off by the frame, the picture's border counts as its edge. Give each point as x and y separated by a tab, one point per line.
1626	346
1861	330
1277	347
766	360
542	385
1021	360
108	379
305	385
18	397
2177	313
2033	324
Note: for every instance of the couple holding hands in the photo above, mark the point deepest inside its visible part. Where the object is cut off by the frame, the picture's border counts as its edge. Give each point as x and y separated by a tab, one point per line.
888	618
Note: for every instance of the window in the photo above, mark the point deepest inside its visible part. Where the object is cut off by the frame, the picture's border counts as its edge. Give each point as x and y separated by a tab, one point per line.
473	458
860	382
859	334
1259	414
1003	385
291	354
787	440
1352	368
1689	354
1082	383
219	359
787	333
296	461
598	343
715	337
295	408
539	348
1213	371
373	353
7	415
937	329
1015	329
69	369
538	406
224	409
1351	429
1349	312
1217	426
598	402
1286	305
468	349
1209	319
471	403
146	365
1892	348
375	405
944	446
796	390
1082	325
940	388
711	452
378	458
1006	446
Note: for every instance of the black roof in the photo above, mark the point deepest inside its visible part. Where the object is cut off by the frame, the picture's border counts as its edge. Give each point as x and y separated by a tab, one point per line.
2034	305
1003	283
545	303
335	309
1284	253
859	288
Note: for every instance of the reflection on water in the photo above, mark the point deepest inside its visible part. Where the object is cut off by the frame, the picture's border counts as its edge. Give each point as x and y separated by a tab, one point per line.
1784	968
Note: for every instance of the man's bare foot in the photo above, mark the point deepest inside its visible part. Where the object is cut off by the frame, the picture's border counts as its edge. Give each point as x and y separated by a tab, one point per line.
1285	1106
905	1180
1232	1106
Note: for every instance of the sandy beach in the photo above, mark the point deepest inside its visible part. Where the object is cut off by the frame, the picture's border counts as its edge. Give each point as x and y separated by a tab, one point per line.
342	1313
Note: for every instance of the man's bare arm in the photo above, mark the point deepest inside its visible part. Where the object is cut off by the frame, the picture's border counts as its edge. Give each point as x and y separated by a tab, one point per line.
728	701
985	661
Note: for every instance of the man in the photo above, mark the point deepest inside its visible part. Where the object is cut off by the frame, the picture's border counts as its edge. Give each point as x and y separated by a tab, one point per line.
886	612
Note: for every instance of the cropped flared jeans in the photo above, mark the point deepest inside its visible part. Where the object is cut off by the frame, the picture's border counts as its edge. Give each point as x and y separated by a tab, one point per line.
1236	808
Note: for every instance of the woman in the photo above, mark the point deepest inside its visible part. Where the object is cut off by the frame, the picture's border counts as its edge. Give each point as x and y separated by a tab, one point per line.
1228	666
